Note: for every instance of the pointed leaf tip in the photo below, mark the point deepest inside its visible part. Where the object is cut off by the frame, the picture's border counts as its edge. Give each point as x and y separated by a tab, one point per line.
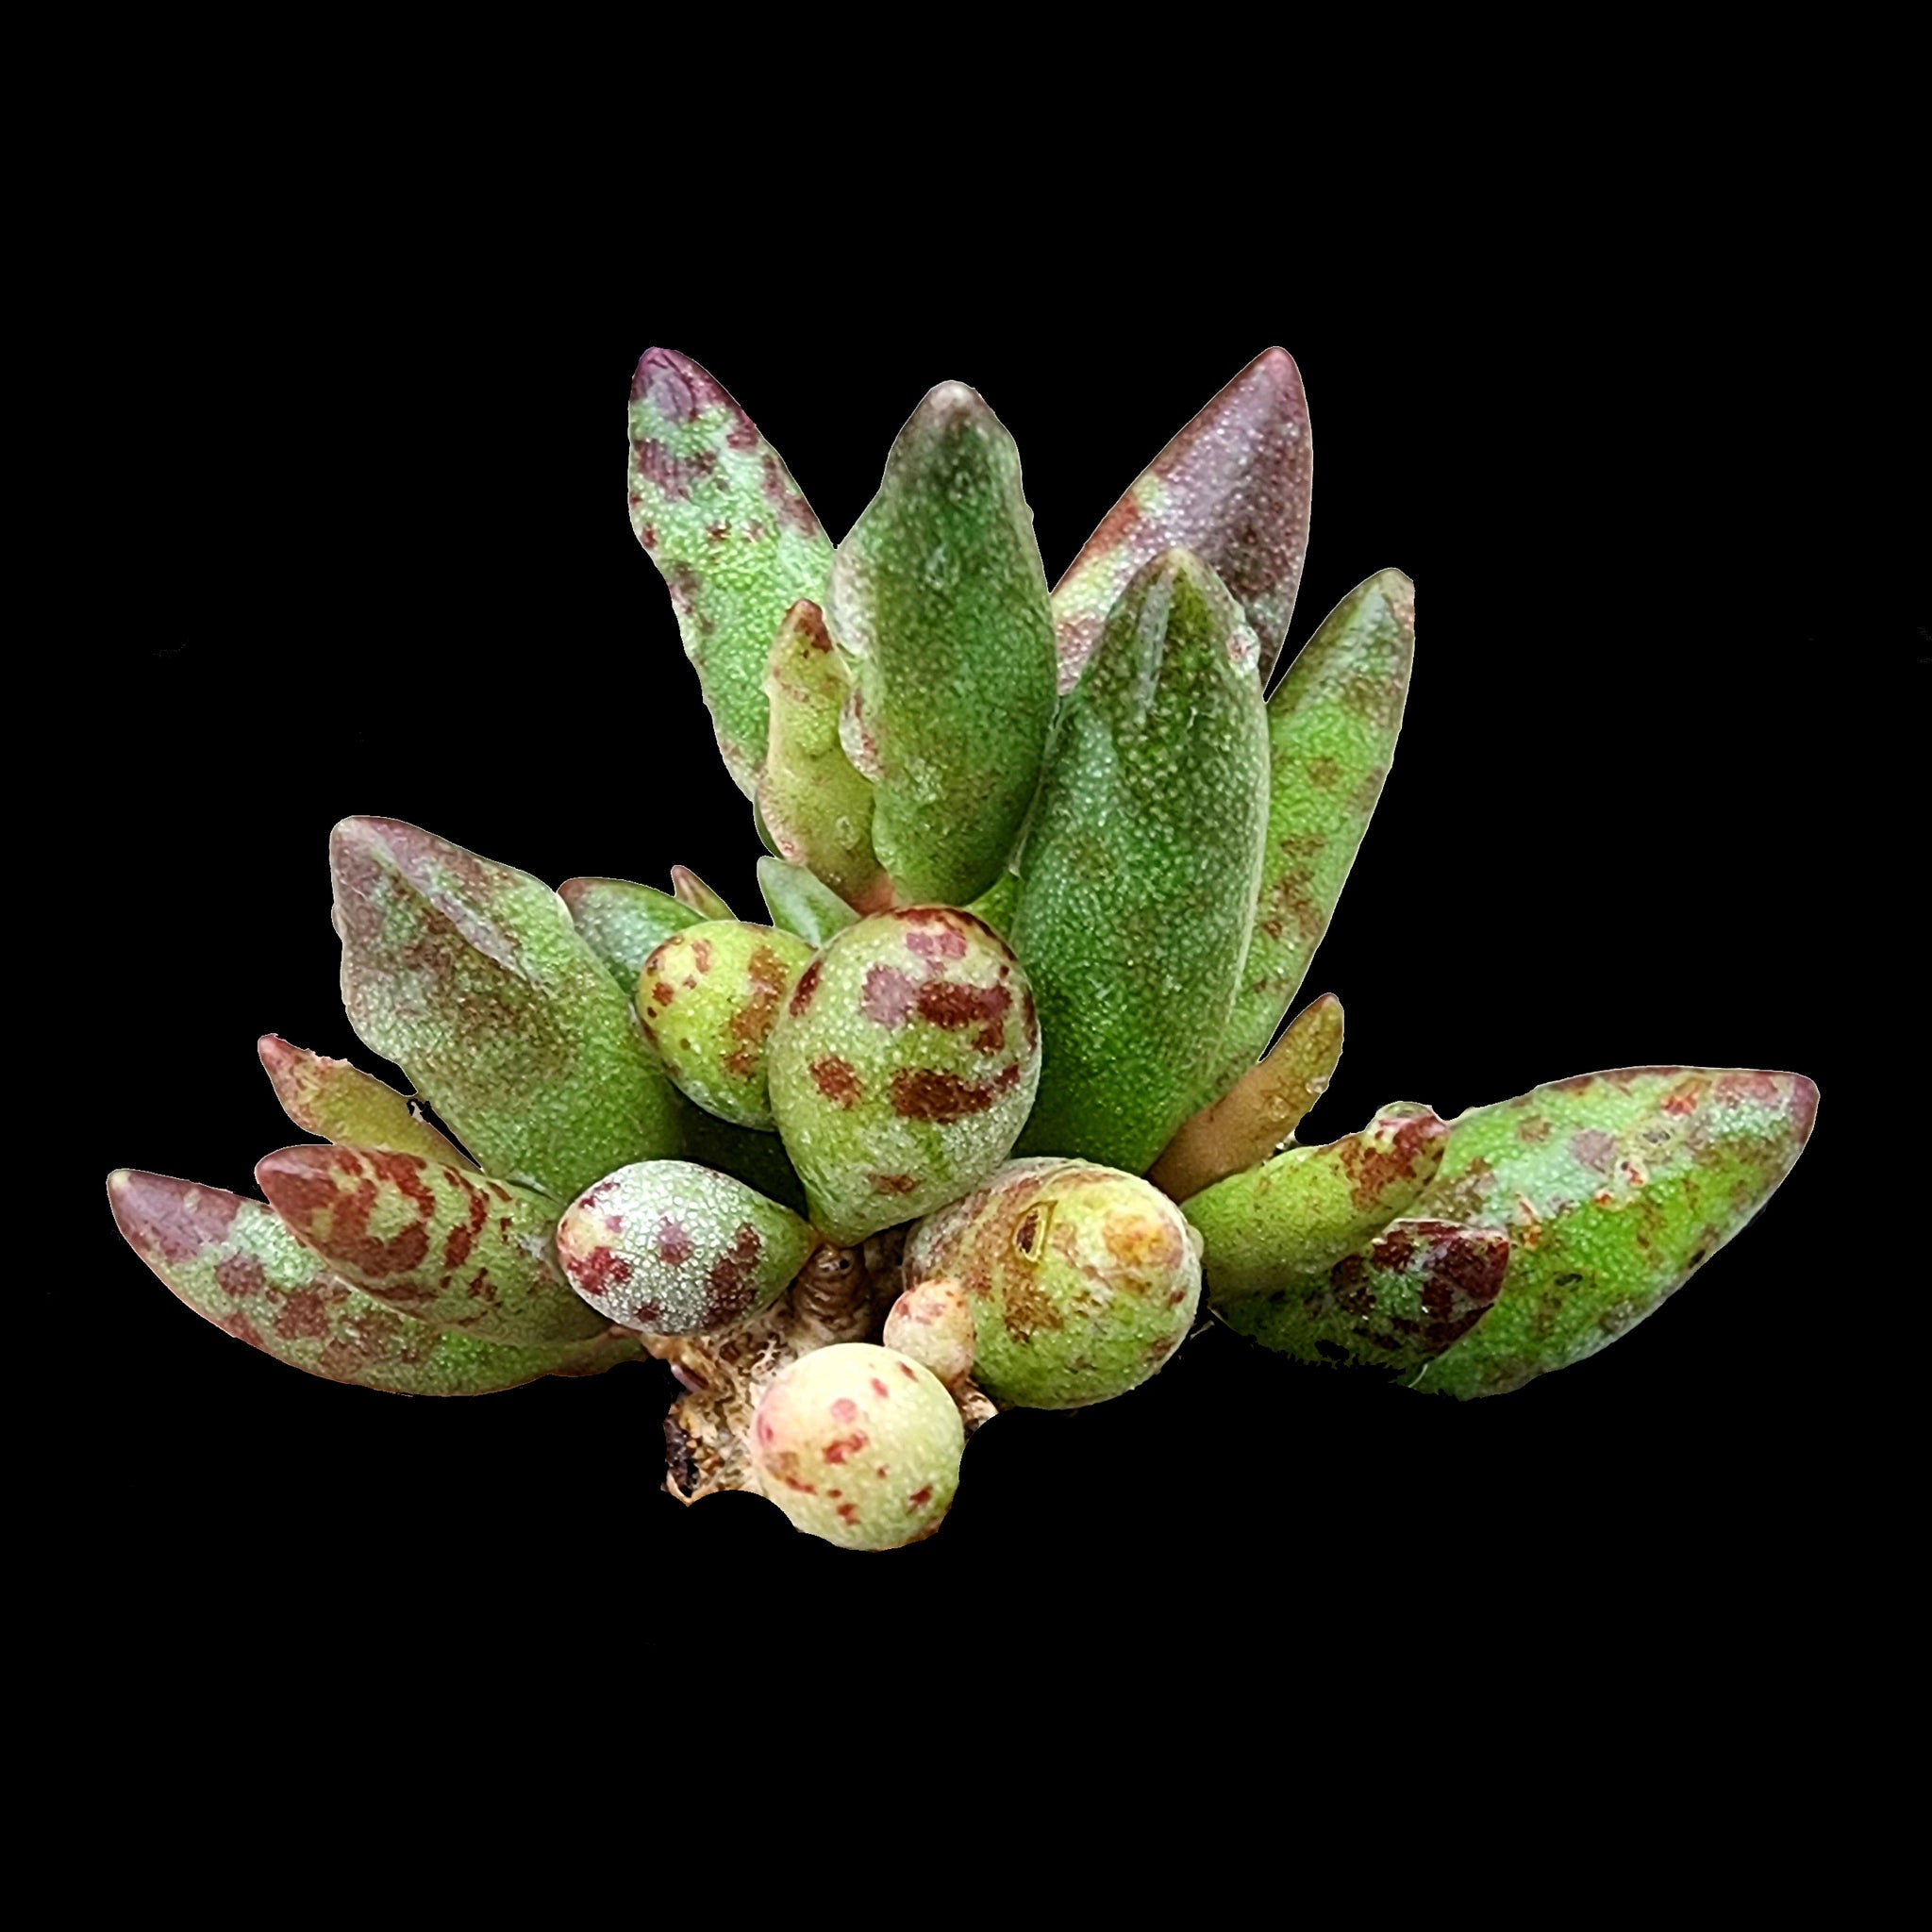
339	1102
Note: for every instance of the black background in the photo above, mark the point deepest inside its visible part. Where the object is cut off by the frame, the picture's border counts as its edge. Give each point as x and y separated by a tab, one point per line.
374	557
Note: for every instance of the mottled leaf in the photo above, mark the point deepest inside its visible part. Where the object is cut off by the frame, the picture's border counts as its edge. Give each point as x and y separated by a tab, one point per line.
455	1250
1233	488
736	542
1138	881
815	805
1332	724
1417	1288
470	975
692	892
938	599
798	903
231	1260
342	1103
623	924
1258	1114
1297	1215
1613	1188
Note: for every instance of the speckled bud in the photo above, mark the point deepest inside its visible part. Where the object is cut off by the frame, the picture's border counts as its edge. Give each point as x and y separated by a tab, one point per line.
902	1066
1082	1280
933	1324
708	997
859	1445
672	1248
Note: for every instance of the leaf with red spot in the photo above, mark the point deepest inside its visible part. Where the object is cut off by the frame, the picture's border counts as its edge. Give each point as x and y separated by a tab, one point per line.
470	976
1233	488
455	1250
1415	1290
233	1262
1297	1215
341	1102
1261	1111
731	534
1332	725
1613	1188
623	924
799	904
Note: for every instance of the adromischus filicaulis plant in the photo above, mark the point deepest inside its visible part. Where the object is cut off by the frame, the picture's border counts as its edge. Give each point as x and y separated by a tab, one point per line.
978	1116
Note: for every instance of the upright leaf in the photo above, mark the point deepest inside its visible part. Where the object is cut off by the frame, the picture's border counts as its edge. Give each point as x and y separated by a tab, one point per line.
470	975
1332	724
232	1261
1138	878
343	1103
691	891
736	542
816	806
798	903
939	598
623	924
455	1250
1233	488
1614	1188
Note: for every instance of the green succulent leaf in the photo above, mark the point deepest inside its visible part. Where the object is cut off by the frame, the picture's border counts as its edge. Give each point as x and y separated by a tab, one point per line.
815	805
747	1154
798	903
1614	1188
692	892
1332	725
1415	1290
1261	1111
232	1261
736	542
938	599
342	1103
997	905
1138	878
455	1250
1233	488
470	975
623	924
1294	1217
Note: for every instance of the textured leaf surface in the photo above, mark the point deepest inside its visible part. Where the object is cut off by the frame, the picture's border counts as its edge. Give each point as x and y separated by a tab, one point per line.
817	808
1258	1114
1613	1188
939	598
455	1250
623	923
231	1260
691	891
736	542
997	905
1298	1215
798	903
1138	878
343	1103
1418	1287
470	975
1332	725
1233	488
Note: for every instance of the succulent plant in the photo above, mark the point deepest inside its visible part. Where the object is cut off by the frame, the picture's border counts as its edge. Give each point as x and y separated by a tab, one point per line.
987	1115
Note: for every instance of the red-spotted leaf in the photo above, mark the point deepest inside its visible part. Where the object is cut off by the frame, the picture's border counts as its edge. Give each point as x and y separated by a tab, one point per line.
733	538
1233	488
470	975
232	1261
1613	1188
623	924
455	1250
342	1103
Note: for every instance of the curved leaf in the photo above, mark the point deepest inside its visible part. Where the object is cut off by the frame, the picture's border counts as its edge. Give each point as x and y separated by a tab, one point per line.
691	891
801	903
623	924
341	1102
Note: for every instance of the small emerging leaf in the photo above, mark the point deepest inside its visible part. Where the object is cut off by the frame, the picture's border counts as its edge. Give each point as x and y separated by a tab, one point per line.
1332	725
798	903
1614	1188
692	892
814	804
453	1249
232	1261
341	1102
997	905
1233	488
623	924
735	543
1296	1216
1259	1112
